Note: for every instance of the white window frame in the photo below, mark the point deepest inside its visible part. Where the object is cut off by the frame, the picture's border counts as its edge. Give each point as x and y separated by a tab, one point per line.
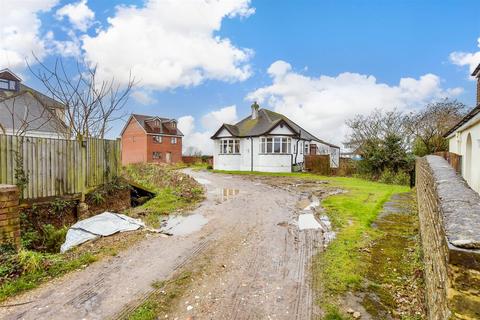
173	140
275	145
154	157
229	146
157	139
306	148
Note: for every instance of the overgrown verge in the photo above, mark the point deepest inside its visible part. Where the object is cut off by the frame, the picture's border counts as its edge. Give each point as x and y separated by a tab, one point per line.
370	263
173	190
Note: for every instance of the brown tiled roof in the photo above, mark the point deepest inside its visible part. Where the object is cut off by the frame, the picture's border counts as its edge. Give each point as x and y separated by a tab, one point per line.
143	120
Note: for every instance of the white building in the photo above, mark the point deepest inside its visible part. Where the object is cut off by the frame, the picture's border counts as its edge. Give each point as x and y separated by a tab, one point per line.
464	139
267	141
27	112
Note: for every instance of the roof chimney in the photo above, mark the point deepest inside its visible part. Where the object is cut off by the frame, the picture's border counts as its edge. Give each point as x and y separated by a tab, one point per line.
255	108
476	74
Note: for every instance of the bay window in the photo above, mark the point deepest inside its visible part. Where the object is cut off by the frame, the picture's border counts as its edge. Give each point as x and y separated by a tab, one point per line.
230	146
275	145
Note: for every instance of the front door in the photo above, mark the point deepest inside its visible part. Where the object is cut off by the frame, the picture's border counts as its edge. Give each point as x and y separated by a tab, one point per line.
168	157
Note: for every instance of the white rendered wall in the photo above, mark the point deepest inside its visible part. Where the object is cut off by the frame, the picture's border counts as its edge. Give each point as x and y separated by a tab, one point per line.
458	145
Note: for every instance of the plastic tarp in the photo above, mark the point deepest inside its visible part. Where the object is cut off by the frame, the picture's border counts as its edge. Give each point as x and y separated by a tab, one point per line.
101	225
308	221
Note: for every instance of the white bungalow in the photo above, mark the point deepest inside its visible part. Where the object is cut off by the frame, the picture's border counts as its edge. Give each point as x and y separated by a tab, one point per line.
464	139
267	141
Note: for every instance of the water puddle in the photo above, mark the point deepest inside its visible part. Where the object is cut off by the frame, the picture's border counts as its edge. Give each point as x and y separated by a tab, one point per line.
222	195
182	225
308	221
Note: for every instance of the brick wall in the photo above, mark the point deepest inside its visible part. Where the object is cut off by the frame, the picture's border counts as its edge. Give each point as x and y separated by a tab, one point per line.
175	149
449	214
134	144
9	215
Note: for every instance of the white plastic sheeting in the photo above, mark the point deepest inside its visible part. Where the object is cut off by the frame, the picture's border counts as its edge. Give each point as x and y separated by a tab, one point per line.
308	221
101	225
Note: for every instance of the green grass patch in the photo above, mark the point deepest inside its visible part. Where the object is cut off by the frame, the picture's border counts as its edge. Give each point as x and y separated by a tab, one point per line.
39	267
352	214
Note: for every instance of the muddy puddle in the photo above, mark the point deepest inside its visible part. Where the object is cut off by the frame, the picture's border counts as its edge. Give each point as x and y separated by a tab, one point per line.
308	220
182	225
225	194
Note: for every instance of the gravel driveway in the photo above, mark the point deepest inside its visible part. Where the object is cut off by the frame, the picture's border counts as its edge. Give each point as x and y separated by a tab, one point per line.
251	225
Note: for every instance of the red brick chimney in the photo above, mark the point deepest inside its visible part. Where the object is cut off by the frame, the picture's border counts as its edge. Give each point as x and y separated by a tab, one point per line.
476	74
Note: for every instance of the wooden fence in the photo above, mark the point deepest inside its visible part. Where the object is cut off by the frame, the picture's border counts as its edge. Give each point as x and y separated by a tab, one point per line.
197	159
56	167
320	164
455	160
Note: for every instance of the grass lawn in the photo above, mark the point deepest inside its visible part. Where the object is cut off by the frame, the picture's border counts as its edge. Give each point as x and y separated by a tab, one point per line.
341	268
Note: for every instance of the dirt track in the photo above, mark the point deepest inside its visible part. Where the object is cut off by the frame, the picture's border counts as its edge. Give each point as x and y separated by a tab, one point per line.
263	257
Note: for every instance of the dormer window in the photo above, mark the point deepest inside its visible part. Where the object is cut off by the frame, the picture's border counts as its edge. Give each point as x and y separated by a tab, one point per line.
8	84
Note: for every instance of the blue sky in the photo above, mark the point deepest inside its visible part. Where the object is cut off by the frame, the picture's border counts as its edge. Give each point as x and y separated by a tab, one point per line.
319	62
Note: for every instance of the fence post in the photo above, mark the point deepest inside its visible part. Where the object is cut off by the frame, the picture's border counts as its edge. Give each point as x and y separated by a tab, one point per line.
82	207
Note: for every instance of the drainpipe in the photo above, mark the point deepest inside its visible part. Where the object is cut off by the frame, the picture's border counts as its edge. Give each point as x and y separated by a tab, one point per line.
251	153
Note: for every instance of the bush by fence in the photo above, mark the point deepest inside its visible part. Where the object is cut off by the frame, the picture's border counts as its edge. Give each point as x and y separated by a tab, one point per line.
45	167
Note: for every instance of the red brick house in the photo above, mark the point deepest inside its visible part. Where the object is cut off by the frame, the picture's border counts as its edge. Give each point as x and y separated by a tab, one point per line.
151	139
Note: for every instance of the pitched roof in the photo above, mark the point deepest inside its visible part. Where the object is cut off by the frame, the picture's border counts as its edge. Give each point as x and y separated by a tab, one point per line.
465	119
143	120
266	121
8	94
476	72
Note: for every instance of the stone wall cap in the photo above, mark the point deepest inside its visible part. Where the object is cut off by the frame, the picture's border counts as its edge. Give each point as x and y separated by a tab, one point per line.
459	204
8	187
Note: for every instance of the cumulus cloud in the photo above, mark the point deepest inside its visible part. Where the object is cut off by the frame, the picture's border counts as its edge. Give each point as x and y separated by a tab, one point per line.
170	43
79	14
20	31
470	59
143	96
322	104
199	140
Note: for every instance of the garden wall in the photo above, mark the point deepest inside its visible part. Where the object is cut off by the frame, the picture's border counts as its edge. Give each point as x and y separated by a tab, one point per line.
9	215
449	213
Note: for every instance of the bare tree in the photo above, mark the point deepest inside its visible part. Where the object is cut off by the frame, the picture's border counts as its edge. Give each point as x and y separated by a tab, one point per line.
430	124
376	126
91	103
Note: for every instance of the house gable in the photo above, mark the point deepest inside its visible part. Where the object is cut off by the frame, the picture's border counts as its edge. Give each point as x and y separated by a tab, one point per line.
282	128
222	132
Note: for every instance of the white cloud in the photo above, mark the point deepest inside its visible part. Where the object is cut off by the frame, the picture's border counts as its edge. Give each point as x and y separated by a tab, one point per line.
20	31
322	104
470	59
200	140
143	96
215	119
79	14
170	43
